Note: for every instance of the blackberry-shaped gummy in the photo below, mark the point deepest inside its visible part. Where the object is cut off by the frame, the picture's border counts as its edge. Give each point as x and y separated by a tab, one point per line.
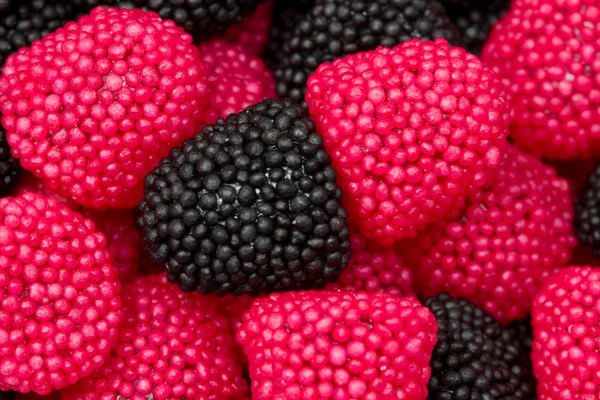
335	28
475	21
10	170
287	16
475	357
587	212
23	24
249	205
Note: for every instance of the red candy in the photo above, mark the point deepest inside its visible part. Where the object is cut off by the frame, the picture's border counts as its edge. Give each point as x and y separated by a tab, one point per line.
373	268
93	107
546	53
410	131
173	345
236	80
60	309
498	252
253	32
565	319
325	345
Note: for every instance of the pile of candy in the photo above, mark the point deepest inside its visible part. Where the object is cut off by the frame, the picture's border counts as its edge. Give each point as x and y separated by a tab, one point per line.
300	200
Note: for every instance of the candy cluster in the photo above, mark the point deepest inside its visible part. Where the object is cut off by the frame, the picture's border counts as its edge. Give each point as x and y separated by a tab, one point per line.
299	200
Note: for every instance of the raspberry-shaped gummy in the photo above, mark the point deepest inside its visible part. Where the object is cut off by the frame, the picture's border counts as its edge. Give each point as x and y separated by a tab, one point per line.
587	212
236	79
545	52
173	345
10	170
336	28
410	130
475	357
565	331
498	251
476	20
60	309
253	32
22	24
248	205
373	268
326	345
93	107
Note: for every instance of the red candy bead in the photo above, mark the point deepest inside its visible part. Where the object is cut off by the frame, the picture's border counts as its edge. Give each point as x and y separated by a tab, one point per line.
343	346
565	319
546	54
500	249
236	80
253	32
173	345
373	268
93	107
60	306
410	131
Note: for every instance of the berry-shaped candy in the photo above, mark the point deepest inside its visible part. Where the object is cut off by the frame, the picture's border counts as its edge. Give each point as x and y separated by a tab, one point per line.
173	345
124	240
565	330
5	5
236	79
200	18
287	15
93	107
10	170
329	345
498	251
411	131
476	20
61	309
587	212
475	357
373	268
29	21
253	32
336	28
248	205
545	52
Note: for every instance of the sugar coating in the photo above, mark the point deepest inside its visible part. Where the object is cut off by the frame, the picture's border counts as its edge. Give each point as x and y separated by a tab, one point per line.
566	361
326	345
500	249
545	52
253	32
236	79
61	309
373	268
172	346
410	130
93	107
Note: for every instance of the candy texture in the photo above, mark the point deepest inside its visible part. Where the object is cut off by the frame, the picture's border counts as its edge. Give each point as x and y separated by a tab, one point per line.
173	345
545	52
10	170
336	28
373	268
476	358
325	345
249	205
500	249
410	130
565	330
60	297
253	32
93	107
30	21
587	212
236	80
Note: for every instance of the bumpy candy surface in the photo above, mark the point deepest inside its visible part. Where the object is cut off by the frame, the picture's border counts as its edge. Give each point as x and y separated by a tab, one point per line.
253	32
327	345
173	345
411	131
93	107
61	310
545	53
